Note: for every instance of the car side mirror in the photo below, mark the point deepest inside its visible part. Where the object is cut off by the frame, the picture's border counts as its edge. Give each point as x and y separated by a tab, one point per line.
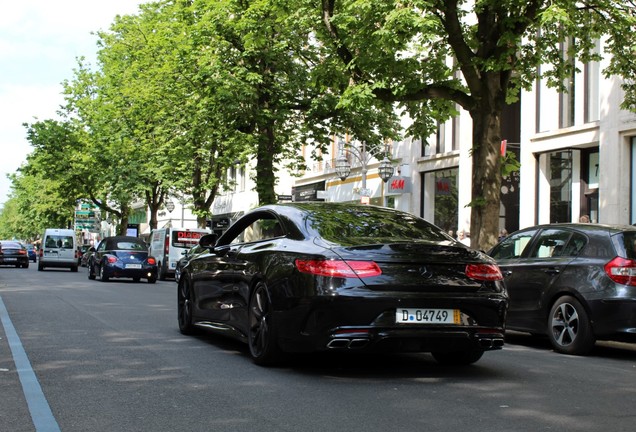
208	240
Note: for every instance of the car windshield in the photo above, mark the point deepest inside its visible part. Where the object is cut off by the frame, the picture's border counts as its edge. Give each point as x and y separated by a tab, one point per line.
366	224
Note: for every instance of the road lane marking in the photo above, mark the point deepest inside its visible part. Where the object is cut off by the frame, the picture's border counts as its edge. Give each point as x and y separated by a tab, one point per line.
39	408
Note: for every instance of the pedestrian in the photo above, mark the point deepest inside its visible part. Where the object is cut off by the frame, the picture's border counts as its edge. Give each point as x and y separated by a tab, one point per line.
463	237
503	234
584	219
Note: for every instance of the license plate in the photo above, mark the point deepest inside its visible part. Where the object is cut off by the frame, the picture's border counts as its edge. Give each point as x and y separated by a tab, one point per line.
10	259
427	316
50	254
133	266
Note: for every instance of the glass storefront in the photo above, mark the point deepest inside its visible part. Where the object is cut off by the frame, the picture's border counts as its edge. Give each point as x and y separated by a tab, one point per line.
560	172
439	198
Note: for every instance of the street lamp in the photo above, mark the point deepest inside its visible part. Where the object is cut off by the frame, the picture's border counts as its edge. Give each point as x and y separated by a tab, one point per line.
385	170
343	168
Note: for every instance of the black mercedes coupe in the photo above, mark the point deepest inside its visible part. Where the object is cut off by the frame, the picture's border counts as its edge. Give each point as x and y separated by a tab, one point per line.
308	277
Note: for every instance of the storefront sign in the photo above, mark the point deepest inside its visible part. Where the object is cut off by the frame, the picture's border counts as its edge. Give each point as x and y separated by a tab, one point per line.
399	185
443	186
308	192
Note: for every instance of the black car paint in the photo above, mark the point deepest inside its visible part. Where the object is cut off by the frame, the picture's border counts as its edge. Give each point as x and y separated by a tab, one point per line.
309	311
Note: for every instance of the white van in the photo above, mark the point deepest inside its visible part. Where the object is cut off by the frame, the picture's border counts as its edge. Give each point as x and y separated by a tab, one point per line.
167	246
58	249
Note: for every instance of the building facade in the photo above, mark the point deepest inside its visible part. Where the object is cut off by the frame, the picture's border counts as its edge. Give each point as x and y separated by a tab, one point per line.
576	149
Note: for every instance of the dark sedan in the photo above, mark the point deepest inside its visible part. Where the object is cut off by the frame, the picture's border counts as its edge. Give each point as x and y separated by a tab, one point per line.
308	277
122	257
575	283
13	253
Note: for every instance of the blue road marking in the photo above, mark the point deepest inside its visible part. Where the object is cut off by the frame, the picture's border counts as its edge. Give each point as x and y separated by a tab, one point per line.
41	414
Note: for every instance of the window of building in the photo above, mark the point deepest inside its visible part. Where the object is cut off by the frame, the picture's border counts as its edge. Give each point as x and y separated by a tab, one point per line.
566	98
560	178
591	93
439	198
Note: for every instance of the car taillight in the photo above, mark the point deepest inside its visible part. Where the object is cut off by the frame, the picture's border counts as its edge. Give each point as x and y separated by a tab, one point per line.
338	268
622	271
22	252
112	259
484	272
152	261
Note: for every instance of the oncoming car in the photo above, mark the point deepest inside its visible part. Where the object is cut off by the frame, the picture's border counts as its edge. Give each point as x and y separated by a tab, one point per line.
122	257
307	277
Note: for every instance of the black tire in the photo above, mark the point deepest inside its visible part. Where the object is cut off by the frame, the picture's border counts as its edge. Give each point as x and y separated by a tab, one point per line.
262	333
136	279
569	328
91	271
74	269
184	307
458	358
25	265
102	274
162	272
40	267
152	280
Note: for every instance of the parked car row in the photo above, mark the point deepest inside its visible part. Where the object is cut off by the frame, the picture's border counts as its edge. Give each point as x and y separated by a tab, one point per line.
317	277
307	277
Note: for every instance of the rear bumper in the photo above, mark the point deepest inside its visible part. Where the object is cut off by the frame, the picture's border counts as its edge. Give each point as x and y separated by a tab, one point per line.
118	272
370	325
614	318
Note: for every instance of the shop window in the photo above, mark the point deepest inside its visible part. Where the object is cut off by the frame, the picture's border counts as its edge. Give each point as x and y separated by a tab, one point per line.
560	171
439	198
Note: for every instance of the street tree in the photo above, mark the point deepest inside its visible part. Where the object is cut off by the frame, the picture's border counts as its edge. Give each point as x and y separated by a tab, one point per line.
430	58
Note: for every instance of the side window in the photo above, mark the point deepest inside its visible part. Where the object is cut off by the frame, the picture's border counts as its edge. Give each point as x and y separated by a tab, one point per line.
260	229
575	245
513	246
550	243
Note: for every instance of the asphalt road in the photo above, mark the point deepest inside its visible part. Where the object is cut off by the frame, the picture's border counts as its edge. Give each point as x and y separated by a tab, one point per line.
109	357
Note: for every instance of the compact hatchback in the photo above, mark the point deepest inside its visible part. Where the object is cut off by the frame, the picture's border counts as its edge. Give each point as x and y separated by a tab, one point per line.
575	283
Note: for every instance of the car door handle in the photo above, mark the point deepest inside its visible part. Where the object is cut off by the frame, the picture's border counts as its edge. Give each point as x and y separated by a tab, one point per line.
551	271
507	273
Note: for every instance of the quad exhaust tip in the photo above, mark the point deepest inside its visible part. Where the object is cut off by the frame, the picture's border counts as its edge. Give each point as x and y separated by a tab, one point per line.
347	343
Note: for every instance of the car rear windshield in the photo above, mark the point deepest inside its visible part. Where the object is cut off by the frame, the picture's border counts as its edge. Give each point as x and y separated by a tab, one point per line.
128	245
59	241
11	245
627	240
361	224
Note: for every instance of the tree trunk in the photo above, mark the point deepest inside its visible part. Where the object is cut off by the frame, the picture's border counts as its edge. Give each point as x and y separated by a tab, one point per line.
486	176
123	223
265	172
